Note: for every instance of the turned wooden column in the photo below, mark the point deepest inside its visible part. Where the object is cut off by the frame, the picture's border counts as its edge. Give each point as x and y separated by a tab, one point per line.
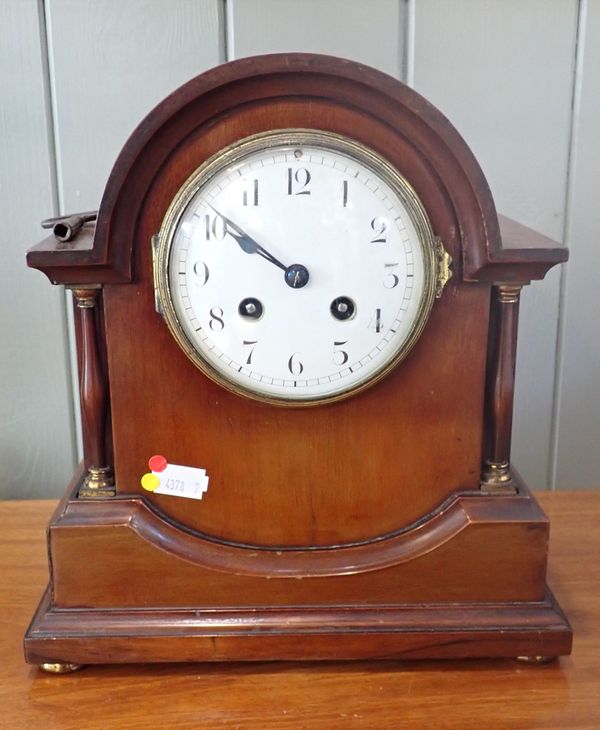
93	393
500	386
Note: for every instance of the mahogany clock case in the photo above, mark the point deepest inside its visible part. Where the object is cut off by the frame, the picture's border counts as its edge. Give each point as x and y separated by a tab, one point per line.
347	530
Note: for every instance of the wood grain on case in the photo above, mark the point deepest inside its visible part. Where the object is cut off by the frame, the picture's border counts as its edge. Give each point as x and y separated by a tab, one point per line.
470	550
464	630
372	502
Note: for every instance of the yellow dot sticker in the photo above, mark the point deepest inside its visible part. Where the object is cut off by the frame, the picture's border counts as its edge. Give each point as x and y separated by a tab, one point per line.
150	482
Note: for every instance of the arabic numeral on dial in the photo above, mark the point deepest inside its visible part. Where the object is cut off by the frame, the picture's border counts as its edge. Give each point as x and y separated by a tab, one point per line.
340	357
376	323
216	322
254	195
379	225
298	181
202	272
215	227
391	280
251	344
294	365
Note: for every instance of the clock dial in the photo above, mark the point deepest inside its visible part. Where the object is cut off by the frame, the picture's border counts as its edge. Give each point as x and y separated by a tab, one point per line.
296	266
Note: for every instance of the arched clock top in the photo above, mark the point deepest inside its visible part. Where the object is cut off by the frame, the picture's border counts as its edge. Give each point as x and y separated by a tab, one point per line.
378	108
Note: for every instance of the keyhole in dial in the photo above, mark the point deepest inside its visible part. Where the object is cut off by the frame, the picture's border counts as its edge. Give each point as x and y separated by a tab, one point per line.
343	308
251	308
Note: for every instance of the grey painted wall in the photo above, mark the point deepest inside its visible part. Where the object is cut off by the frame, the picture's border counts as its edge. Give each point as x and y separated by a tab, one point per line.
518	79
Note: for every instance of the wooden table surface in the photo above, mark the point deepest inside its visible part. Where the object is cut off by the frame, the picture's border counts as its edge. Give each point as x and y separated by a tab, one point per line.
480	694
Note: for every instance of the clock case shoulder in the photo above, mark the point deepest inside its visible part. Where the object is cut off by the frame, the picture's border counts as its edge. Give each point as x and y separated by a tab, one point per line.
492	248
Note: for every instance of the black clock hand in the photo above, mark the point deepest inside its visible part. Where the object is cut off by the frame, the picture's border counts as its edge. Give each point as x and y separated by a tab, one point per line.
296	276
247	243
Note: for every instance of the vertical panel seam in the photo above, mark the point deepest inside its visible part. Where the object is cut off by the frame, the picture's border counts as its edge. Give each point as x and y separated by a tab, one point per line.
222	21
228	30
409	43
582	8
57	204
50	102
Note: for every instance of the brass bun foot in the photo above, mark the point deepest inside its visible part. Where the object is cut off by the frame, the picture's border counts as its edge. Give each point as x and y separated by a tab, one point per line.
536	659
59	667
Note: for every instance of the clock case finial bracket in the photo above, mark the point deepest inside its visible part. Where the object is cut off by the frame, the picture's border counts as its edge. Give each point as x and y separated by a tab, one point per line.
478	589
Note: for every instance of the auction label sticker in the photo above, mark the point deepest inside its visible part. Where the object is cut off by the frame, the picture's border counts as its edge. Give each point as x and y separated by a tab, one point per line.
174	479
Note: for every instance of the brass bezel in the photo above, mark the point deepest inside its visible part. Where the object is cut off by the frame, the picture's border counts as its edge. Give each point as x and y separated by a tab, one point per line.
162	244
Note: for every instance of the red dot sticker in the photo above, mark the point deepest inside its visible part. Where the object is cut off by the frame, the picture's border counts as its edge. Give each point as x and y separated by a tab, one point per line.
157	463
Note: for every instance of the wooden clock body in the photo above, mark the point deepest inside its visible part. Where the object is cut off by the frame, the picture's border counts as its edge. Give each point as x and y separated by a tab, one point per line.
386	525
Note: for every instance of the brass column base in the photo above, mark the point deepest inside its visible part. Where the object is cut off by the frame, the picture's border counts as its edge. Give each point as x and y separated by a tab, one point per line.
99	483
497	479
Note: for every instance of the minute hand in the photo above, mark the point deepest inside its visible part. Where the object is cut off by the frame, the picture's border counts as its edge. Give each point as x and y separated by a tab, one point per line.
247	243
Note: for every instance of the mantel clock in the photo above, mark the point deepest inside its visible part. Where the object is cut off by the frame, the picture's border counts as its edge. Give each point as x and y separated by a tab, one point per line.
296	322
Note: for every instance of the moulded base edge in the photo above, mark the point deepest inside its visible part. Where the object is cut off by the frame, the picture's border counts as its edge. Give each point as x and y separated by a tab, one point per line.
427	631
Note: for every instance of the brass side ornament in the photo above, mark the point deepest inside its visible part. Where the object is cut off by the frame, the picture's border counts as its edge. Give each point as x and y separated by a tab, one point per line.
443	262
158	304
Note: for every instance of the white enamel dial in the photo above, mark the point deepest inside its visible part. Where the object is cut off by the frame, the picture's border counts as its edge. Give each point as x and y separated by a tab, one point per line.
296	266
